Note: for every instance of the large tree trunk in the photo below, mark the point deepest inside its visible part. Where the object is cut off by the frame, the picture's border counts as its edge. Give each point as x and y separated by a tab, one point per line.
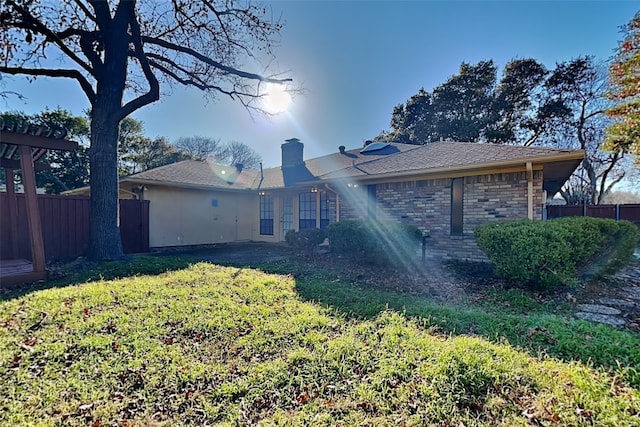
105	242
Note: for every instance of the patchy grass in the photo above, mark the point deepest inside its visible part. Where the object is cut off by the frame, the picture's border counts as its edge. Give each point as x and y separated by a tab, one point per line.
234	346
521	319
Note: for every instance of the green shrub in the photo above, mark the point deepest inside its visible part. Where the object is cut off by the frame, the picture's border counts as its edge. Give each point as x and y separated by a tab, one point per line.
306	239
378	242
550	253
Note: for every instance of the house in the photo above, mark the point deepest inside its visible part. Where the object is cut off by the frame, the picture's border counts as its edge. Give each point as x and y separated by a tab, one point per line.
444	188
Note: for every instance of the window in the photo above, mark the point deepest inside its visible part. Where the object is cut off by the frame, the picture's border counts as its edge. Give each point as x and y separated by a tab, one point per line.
266	215
324	210
371	201
457	197
307	209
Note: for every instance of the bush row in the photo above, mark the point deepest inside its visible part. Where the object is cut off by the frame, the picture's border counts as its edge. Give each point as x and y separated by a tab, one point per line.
550	253
379	242
368	241
306	239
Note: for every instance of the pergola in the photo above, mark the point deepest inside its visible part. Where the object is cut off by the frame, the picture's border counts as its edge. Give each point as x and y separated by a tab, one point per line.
23	148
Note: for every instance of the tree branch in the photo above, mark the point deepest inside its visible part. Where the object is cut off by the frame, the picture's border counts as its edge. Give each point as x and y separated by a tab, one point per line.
50	35
209	61
44	72
86	10
154	87
197	83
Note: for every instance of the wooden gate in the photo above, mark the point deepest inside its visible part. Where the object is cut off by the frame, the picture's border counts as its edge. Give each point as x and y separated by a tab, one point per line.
134	226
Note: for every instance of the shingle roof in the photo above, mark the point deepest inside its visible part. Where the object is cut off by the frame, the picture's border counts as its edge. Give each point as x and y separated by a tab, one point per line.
198	173
442	155
397	158
393	159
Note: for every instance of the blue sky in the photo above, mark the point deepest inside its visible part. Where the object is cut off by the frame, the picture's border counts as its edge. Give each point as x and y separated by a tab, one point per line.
356	60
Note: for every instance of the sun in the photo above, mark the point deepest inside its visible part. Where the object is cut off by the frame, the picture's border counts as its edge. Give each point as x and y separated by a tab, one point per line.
276	99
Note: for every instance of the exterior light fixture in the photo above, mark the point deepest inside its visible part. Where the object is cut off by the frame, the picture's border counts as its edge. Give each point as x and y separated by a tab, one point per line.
352	185
314	189
261	193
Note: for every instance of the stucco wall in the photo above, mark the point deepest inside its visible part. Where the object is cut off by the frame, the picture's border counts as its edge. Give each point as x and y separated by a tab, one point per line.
182	217
427	205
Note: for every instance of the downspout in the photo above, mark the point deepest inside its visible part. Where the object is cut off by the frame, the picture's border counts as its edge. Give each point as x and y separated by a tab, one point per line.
530	190
337	201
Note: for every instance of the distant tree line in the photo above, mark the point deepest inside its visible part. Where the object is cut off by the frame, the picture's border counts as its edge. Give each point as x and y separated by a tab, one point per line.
136	151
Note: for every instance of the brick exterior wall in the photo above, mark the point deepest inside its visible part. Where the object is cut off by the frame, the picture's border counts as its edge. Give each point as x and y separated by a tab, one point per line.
427	205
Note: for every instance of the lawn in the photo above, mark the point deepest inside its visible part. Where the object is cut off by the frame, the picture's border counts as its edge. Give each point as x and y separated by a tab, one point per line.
207	344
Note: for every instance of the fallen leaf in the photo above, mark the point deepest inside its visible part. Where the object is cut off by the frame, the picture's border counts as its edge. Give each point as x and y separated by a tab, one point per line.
15	362
302	399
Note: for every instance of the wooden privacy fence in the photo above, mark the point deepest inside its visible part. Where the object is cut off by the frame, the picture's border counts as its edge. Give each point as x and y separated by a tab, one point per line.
65	226
617	212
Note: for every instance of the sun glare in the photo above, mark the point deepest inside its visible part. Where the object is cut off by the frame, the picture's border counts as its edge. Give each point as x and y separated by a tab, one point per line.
276	99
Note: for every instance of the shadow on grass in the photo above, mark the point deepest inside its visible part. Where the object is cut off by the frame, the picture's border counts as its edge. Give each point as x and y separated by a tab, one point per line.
82	270
538	333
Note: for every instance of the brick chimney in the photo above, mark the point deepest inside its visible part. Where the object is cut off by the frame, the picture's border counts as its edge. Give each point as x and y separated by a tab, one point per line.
292	153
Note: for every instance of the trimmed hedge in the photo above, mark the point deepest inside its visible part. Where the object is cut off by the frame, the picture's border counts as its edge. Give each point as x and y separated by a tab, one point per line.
550	253
374	241
306	239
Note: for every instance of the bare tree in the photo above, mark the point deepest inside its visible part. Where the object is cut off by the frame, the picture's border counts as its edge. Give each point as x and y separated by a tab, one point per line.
234	153
231	153
198	147
580	85
120	53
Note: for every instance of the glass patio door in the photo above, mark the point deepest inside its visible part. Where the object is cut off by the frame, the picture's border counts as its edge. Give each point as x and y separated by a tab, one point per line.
286	216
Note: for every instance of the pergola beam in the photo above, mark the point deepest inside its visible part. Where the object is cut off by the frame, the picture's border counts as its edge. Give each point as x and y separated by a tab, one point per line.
36	141
15	164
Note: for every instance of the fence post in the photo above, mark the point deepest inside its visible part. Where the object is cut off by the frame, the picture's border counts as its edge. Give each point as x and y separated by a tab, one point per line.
617	212
584	210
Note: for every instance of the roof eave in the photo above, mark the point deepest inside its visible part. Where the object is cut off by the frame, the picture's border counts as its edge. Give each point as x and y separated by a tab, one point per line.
463	169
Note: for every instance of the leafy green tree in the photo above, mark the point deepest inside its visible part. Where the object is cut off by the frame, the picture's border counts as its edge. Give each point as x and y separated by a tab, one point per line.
67	169
514	112
120	53
146	153
562	108
474	106
137	152
624	133
461	103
